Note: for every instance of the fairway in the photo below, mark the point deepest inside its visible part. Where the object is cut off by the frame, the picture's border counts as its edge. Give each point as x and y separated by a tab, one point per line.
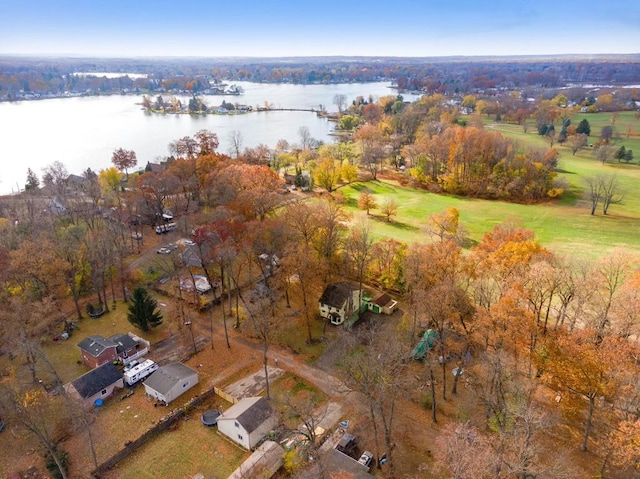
565	227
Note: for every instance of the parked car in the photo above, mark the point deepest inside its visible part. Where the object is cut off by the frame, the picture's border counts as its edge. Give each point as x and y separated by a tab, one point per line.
166	249
347	444
366	459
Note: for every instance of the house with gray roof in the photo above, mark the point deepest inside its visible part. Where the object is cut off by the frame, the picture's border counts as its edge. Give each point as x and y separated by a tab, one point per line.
247	422
98	350
170	381
97	384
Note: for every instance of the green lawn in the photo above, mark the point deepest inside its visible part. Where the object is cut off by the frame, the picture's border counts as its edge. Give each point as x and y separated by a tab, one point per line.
563	228
65	355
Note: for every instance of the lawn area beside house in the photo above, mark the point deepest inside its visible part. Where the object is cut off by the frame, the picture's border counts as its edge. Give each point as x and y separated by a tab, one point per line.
65	355
183	451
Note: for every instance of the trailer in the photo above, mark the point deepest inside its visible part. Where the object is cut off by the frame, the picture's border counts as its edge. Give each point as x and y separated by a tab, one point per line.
140	371
166	228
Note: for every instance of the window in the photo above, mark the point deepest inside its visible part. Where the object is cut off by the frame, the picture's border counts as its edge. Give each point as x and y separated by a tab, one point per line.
240	437
185	384
236	423
104	391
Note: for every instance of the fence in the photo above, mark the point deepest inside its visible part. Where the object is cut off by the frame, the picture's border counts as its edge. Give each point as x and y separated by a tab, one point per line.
164	424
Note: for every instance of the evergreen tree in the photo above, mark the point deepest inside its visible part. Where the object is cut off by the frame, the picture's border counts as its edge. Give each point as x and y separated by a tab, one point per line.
584	127
142	310
33	183
621	153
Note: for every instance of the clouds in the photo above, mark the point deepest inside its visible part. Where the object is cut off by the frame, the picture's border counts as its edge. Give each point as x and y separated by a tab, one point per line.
330	27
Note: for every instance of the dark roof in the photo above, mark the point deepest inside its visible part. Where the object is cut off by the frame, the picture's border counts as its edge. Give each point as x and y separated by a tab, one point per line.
95	345
336	294
191	256
124	342
382	300
96	380
250	412
168	376
335	461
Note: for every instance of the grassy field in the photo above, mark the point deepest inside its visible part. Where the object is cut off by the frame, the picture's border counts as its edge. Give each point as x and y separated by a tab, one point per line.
184	451
564	226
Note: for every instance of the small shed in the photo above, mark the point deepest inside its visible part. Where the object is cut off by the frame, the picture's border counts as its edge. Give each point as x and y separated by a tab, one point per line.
99	383
382	304
170	381
247	422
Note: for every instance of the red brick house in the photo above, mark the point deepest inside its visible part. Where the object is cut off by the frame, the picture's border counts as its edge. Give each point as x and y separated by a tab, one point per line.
98	350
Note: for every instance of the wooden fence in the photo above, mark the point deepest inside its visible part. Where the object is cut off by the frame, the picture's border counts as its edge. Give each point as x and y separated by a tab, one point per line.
165	423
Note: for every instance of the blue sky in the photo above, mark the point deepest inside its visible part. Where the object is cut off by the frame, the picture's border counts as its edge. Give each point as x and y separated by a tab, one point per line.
264	28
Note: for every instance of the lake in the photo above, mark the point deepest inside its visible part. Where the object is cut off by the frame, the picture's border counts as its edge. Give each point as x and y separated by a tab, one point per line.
83	132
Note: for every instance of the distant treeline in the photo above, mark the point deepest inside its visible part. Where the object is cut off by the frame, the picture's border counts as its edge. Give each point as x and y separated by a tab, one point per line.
452	75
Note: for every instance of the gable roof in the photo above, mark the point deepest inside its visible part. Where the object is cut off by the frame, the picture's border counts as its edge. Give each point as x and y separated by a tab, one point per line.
249	412
382	300
123	342
96	380
95	345
168	376
336	294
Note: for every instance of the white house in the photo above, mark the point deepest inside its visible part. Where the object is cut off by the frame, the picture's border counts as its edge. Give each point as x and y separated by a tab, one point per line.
340	302
247	422
170	381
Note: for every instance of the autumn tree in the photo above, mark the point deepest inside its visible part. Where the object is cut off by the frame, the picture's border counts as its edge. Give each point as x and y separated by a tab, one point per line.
304	272
36	413
389	208
378	371
251	190
367	201
143	312
577	142
263	320
604	153
327	174
358	246
124	160
386	267
371	142
584	365
444	225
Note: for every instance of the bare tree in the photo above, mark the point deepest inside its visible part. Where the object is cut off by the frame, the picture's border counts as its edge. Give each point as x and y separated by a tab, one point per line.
235	138
340	100
593	192
263	321
377	370
611	193
305	137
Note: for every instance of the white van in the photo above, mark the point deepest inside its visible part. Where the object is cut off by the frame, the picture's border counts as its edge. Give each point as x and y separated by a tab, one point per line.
140	371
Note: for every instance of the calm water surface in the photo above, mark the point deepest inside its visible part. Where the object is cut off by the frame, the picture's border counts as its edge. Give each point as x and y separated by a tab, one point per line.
83	132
